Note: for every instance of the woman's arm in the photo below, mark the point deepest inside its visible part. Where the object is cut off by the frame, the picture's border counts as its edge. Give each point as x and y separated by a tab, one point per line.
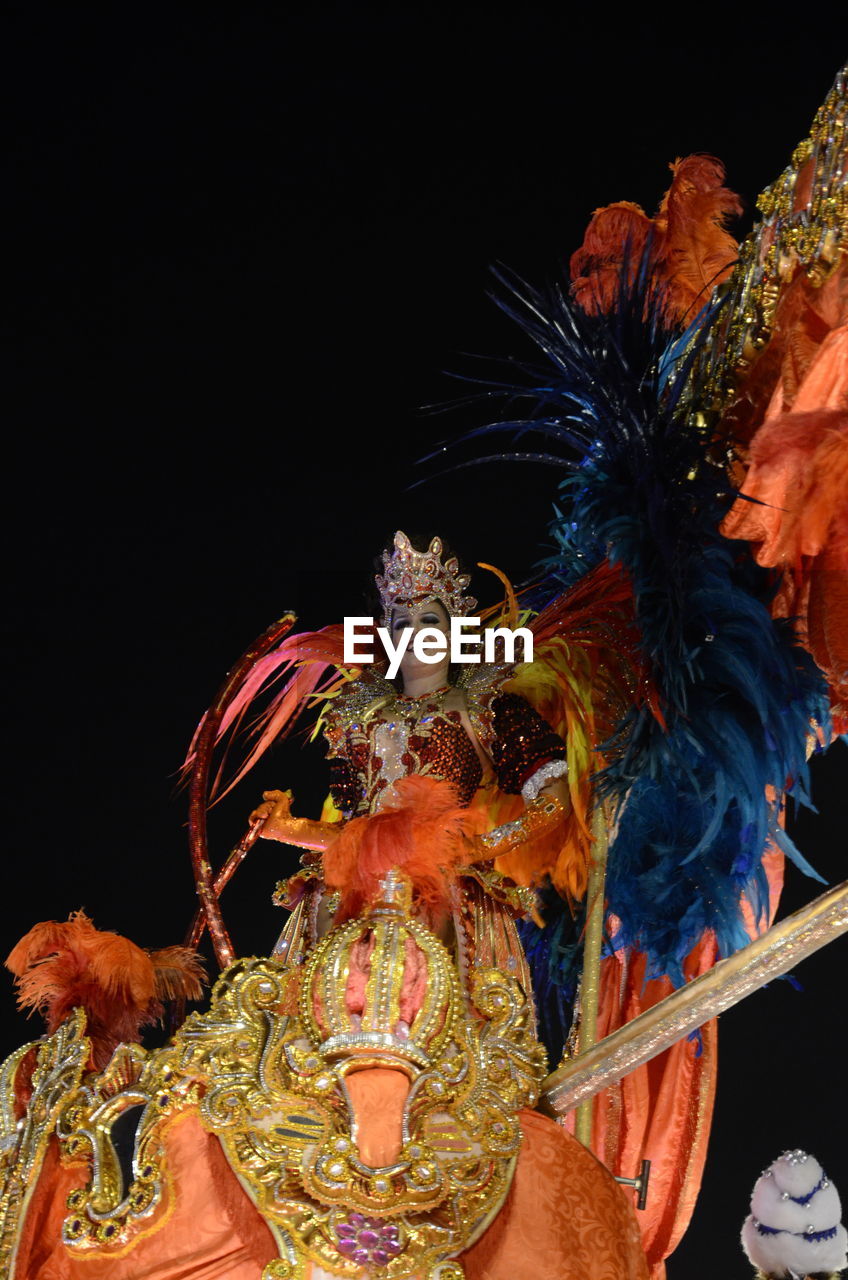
278	823
529	759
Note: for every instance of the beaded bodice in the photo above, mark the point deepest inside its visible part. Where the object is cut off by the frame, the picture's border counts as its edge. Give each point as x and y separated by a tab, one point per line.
377	736
396	736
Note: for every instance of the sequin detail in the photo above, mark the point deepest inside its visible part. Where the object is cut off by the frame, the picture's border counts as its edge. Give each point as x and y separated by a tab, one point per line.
523	741
398	737
377	736
543	775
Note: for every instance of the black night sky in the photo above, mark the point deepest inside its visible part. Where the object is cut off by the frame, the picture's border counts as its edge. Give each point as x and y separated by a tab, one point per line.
249	246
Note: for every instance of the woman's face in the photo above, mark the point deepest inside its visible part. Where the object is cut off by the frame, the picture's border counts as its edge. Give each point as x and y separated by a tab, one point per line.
428	615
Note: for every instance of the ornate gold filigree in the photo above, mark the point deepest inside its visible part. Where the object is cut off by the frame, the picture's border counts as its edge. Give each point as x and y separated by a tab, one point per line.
108	1213
267	1071
282	1269
274	1052
803	228
61	1060
520	900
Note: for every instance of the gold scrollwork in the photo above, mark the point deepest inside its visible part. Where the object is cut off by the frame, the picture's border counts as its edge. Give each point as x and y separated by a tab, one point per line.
266	1069
803	229
281	1269
272	1057
106	1213
60	1061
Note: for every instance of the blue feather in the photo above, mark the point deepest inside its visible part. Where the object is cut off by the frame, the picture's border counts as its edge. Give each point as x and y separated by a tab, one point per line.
647	486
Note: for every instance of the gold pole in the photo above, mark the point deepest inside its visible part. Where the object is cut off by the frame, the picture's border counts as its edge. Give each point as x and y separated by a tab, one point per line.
590	983
779	949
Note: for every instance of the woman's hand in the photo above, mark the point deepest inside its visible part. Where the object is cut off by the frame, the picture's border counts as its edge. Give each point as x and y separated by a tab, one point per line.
278	823
273	814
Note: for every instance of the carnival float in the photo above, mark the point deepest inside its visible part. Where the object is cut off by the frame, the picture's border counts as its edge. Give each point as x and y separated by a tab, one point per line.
484	1044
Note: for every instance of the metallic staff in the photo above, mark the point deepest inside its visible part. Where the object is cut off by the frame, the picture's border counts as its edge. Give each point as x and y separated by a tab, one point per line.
776	952
591	982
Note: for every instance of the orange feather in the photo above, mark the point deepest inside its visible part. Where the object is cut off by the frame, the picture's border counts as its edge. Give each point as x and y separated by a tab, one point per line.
62	965
424	834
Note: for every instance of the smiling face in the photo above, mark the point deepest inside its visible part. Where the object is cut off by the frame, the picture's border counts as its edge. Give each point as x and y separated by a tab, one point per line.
425	615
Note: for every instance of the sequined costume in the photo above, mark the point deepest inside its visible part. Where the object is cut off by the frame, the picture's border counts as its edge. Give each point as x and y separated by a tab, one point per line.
376	735
473	742
370	1085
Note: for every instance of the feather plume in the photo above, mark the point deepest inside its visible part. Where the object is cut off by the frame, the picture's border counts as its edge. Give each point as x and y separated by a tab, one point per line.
695	252
60	965
615	240
646	489
424	832
686	247
311	664
554	950
586	676
178	973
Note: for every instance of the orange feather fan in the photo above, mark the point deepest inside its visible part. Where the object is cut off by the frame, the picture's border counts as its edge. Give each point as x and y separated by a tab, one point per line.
59	966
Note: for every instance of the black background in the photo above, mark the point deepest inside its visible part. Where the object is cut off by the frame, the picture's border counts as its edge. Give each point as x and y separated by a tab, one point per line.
247	246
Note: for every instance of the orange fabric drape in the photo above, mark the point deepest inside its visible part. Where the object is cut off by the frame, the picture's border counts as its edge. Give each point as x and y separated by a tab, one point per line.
565	1216
205	1228
795	505
663	1111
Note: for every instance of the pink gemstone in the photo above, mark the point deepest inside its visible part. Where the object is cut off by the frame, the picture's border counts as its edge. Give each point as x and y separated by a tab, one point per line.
346	1231
346	1248
380	1257
360	1255
389	1233
368	1238
357	1220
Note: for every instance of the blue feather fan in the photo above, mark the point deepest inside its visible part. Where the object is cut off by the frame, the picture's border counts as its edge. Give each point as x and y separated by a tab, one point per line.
647	486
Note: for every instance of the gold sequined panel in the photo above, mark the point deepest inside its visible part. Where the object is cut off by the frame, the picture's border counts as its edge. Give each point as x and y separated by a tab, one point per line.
482	682
112	1211
367	691
803	228
61	1059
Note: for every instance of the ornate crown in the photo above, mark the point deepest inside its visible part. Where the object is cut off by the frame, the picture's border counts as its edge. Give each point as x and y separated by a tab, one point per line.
377	1037
409	574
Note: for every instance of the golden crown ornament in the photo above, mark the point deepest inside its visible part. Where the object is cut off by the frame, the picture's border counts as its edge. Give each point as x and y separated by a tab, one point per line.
412	575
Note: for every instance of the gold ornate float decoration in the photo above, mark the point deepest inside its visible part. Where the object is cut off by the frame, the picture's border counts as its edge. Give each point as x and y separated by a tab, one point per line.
803	228
268	1067
60	1060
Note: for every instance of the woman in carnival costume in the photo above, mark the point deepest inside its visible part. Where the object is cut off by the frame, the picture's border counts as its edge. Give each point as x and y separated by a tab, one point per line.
372	1083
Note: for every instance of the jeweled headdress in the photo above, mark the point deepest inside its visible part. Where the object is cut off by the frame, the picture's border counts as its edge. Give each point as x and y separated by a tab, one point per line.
410	575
